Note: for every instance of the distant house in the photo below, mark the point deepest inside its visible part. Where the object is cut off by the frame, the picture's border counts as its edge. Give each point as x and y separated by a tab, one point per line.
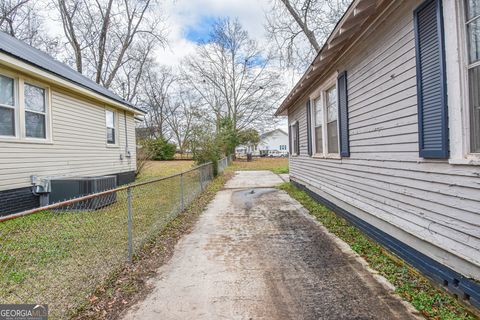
385	130
272	143
56	122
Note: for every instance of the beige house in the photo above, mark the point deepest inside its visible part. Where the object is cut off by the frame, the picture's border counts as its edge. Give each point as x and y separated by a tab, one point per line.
54	122
385	130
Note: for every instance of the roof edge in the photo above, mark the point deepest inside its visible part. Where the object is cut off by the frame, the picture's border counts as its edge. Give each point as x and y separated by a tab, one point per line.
7	57
348	27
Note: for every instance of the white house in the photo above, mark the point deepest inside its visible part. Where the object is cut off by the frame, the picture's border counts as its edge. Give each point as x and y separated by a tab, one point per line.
385	130
272	143
54	122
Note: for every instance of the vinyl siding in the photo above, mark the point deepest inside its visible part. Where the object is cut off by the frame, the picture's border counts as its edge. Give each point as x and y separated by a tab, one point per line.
78	145
434	206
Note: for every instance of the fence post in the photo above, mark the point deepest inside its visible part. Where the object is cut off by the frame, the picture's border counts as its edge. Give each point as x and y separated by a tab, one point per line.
130	240
182	191
200	174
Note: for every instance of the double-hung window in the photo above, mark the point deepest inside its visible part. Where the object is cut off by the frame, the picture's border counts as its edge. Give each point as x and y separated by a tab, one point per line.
110	124
472	21
7	106
35	112
318	125
332	116
24	110
325	122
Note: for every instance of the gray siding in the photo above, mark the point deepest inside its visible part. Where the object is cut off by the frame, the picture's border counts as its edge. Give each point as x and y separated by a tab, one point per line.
78	149
435	204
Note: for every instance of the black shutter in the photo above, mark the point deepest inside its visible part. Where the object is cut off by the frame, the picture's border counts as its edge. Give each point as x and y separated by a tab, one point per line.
290	140
431	80
309	128
343	115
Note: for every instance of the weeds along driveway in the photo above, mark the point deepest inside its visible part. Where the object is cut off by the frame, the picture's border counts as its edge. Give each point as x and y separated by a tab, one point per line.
255	254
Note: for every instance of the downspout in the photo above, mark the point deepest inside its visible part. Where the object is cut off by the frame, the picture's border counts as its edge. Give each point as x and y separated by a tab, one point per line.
127	152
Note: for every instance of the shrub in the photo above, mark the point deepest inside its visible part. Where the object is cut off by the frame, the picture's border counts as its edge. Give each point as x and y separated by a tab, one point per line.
161	149
206	148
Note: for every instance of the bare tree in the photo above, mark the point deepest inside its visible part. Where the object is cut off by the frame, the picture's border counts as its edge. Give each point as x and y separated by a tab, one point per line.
233	76
156	99
21	19
105	35
181	117
131	80
300	27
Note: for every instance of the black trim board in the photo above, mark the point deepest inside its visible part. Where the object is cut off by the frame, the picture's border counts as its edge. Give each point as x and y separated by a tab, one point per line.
462	287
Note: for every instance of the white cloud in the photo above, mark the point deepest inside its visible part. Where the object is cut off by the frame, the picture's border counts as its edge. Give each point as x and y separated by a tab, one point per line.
185	14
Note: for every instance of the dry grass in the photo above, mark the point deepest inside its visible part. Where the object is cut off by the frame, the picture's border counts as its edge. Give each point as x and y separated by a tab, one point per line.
277	165
157	169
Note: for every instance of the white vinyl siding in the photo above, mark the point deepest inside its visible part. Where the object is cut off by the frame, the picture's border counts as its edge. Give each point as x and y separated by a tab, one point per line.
78	145
431	205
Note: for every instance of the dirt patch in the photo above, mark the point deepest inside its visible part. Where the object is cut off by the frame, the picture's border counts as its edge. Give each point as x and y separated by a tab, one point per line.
129	285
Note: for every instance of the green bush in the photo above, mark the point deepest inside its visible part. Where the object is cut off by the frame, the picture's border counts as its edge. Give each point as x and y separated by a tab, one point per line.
206	148
161	149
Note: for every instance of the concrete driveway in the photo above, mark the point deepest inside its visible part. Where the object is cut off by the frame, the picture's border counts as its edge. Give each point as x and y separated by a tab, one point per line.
256	254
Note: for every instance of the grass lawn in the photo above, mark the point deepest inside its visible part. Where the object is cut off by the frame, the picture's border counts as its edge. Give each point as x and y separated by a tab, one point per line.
156	169
59	256
277	165
123	288
432	302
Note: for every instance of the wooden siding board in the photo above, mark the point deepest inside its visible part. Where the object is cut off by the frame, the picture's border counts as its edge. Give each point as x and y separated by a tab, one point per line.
384	176
385	213
455	198
453	229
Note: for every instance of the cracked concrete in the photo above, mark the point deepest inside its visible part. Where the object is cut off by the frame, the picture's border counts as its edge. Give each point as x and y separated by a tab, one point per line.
255	254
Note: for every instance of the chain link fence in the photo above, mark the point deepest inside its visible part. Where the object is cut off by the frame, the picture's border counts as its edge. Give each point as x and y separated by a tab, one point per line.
223	163
59	253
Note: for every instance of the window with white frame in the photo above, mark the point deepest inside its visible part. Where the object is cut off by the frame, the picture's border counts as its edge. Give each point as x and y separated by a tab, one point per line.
7	106
24	113
472	22
325	121
318	125
35	111
110	124
332	116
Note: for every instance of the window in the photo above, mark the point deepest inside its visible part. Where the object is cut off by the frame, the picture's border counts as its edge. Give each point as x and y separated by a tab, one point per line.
35	112
318	125
332	115
472	12
295	138
7	106
24	110
283	147
110	123
326	122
